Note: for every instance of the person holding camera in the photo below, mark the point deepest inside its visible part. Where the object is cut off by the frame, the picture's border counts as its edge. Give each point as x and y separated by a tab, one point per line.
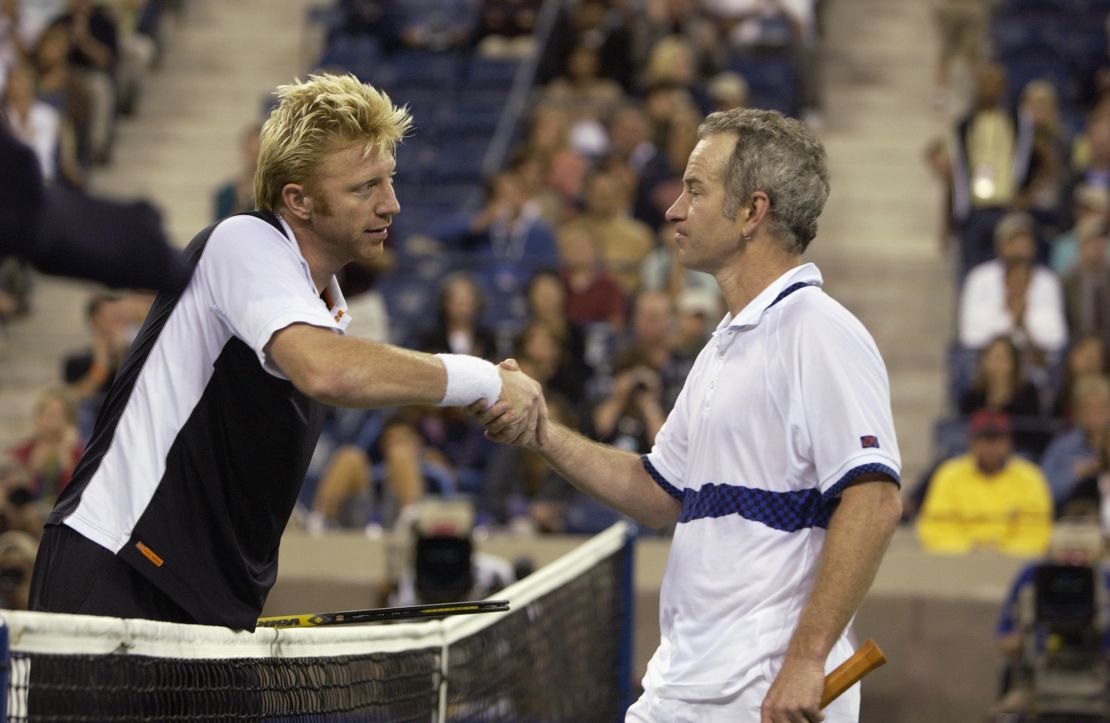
1076	546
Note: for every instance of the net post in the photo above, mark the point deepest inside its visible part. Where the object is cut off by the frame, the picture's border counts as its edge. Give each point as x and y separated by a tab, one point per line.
445	650
5	670
624	659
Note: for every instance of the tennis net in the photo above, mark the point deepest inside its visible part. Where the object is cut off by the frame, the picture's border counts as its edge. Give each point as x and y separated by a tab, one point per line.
562	652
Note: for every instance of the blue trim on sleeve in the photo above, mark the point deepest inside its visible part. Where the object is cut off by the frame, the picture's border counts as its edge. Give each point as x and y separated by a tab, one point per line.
857	472
659	480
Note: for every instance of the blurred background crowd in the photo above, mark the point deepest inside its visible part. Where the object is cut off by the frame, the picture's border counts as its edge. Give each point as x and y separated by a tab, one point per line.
550	138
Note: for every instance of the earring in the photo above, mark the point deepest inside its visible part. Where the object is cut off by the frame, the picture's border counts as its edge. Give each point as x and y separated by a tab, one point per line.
747	237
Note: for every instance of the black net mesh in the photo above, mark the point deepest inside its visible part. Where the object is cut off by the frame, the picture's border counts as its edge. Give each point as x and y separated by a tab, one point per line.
558	659
378	687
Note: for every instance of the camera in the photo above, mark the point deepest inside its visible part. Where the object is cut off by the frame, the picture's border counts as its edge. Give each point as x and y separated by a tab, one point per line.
1064	648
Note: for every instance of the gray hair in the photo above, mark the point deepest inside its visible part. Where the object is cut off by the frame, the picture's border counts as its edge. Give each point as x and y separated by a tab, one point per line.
779	156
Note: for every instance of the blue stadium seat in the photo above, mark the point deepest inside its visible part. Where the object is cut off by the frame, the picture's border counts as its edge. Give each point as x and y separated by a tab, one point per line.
474	114
491	73
459	160
413	69
772	80
359	54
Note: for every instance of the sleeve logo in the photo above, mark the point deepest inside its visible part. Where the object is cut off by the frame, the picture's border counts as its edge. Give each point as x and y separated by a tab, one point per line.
869	442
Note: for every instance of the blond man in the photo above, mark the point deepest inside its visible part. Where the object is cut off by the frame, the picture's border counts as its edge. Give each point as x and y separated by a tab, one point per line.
177	508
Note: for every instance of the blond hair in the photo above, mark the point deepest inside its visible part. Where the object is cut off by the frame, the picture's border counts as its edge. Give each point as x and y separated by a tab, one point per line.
312	118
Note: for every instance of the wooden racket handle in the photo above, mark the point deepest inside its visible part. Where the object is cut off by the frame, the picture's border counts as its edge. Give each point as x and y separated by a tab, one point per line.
862	662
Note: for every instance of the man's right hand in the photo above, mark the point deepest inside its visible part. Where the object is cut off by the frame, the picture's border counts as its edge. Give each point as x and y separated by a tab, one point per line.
519	416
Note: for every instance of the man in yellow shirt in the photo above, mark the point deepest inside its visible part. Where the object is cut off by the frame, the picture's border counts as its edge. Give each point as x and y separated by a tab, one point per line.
987	498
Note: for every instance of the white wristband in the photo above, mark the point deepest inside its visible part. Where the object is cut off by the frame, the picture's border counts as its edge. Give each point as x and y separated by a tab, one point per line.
469	379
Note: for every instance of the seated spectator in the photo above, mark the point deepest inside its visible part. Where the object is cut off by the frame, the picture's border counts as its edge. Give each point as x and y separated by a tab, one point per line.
726	90
537	351
990	163
1075	541
420	450
962	26
605	26
625	241
652	334
32	121
1048	171
13	37
757	25
1090	207
236	195
632	414
137	52
17	559
547	304
1013	296
564	168
1087	286
365	302
672	62
522	490
1093	168
1093	491
433	25
1087	355
593	295
458	329
93	55
19	508
988	498
675	119
1073	455
59	87
662	271
89	374
51	452
505	27
506	242
582	91
1001	384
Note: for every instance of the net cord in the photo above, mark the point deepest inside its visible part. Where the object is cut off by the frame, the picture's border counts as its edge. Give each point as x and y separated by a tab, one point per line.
59	634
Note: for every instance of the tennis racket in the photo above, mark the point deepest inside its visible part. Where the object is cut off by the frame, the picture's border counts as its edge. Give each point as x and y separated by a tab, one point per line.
377	615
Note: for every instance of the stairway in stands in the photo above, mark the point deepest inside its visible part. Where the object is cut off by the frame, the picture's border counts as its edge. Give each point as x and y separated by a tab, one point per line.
877	241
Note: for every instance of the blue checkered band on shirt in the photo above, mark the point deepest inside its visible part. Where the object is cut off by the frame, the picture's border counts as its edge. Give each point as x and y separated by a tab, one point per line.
786	511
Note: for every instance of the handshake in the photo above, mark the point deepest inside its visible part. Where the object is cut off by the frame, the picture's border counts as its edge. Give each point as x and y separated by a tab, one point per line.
519	415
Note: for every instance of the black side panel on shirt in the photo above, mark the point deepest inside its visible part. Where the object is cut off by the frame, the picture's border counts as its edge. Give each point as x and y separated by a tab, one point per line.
232	478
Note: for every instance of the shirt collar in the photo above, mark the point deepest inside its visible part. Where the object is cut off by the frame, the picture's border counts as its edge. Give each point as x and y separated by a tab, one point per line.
750	315
332	296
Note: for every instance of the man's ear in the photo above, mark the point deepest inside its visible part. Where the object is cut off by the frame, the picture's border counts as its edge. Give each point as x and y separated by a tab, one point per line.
754	213
295	198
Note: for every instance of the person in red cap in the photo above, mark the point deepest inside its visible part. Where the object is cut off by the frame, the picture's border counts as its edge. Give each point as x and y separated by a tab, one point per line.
988	497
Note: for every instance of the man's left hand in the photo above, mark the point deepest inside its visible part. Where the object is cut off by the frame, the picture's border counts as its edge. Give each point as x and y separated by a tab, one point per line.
795	696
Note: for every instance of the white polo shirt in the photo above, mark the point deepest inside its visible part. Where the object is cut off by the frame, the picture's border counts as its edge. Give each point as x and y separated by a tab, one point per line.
787	403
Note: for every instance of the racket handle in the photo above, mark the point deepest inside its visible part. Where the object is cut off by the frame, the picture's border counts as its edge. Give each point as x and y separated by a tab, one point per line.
862	662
